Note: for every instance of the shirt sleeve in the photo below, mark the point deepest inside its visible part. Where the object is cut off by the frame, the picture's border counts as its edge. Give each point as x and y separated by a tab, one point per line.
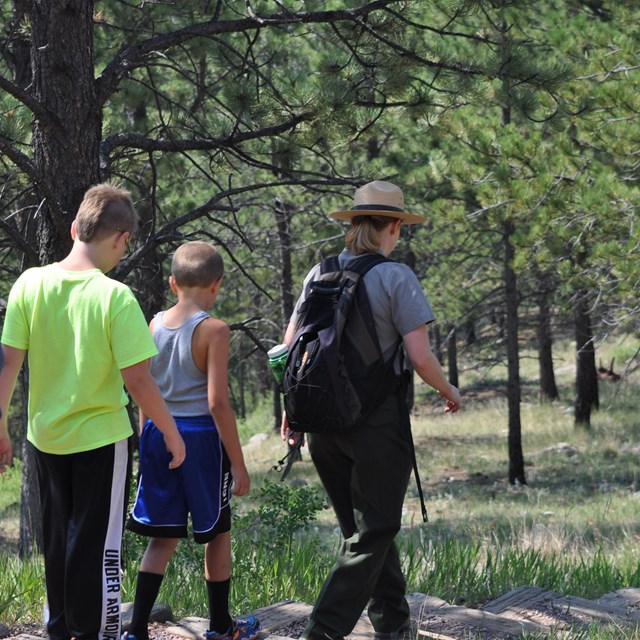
131	339
15	332
410	307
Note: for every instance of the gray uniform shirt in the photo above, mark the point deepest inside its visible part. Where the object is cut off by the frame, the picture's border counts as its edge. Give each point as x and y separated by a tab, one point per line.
182	384
397	301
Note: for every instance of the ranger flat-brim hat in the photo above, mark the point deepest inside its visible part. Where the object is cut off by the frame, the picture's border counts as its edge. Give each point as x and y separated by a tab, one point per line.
379	198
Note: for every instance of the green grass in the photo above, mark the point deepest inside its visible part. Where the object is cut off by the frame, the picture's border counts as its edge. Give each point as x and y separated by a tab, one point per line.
574	528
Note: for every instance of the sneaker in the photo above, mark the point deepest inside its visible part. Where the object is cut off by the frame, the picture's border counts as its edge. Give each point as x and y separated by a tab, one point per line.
247	629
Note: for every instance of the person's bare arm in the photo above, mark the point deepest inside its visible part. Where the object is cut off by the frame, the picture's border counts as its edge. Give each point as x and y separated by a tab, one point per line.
426	365
13	359
145	392
215	334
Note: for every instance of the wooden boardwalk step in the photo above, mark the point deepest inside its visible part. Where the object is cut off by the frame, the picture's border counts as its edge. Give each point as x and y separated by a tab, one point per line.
597	610
623	599
437	618
525	610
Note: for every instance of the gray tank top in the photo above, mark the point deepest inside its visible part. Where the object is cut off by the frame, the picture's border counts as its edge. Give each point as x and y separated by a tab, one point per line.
182	384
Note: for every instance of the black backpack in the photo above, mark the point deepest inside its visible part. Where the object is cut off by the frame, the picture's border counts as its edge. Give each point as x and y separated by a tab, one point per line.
335	375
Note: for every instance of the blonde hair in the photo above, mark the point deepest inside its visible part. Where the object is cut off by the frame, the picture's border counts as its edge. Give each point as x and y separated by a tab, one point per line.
364	235
104	210
196	264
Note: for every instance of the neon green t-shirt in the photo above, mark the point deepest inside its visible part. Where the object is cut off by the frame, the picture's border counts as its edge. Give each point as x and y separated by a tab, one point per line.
80	328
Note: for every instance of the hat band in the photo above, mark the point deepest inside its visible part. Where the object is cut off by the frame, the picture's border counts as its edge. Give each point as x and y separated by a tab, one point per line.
376	207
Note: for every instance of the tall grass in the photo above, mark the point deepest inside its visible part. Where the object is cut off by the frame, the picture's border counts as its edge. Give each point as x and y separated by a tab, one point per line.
21	589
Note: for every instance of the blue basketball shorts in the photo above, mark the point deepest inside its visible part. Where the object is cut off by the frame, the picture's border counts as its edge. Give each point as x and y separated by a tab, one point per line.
200	486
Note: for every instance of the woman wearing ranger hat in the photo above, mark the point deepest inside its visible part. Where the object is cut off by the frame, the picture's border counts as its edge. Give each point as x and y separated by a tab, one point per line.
365	471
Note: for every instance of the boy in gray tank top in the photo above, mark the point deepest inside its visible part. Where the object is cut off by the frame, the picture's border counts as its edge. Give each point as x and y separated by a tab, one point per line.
191	372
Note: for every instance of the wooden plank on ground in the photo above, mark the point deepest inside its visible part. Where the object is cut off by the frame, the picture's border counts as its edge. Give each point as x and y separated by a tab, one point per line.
524	598
622	599
419	603
424	607
483	620
272	618
282	614
597	610
191	628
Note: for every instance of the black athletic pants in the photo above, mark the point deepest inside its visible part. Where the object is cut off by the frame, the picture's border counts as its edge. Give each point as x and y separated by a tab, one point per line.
365	473
82	496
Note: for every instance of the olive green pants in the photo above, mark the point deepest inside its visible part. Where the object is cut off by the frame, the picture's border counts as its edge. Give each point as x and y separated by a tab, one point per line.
365	473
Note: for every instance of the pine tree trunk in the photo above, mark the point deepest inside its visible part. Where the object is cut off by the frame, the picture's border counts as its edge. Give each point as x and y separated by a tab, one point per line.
548	388
283	212
516	459
586	374
148	282
436	341
30	513
66	143
452	356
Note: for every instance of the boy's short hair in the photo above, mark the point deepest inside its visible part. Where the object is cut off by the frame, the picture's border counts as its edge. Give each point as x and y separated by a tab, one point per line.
196	264
105	210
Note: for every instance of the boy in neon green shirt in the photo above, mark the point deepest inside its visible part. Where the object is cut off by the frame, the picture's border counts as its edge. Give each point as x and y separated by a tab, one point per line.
85	335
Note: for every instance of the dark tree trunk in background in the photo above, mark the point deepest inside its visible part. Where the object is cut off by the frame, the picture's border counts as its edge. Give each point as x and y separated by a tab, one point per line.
470	333
587	397
283	212
30	541
436	341
20	46
30	514
452	356
149	279
242	404
548	387
66	143
516	459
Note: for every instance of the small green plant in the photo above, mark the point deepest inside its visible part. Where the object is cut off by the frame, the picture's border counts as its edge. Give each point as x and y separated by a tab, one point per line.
274	557
284	511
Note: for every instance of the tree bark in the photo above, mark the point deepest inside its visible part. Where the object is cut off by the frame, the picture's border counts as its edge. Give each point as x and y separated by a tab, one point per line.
283	211
548	387
516	459
587	396
452	356
66	142
149	283
436	341
30	512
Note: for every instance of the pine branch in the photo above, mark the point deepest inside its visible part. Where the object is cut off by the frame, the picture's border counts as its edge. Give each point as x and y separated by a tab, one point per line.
25	98
139	54
23	162
137	141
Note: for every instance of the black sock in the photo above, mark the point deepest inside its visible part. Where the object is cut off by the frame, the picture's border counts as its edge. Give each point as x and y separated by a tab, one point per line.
147	587
218	592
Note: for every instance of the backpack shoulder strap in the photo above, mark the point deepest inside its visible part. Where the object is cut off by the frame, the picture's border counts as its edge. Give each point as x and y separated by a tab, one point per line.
327	265
360	265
